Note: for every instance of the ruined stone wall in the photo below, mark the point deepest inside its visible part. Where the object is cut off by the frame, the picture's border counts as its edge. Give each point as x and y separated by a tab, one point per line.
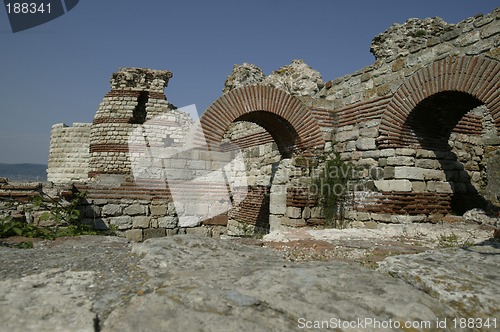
420	125
136	95
69	153
407	171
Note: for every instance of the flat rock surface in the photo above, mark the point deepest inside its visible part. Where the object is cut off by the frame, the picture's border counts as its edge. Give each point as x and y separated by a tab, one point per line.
186	283
466	278
369	246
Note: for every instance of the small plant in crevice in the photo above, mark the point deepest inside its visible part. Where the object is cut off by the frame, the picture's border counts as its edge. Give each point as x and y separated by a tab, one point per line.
331	186
66	219
453	240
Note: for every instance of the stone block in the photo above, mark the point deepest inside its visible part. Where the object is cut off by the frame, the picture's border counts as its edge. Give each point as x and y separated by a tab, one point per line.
357	224
422	153
371	224
366	143
363	216
134	210
410	173
189	221
387	153
275	222
159	210
401	161
121	222
153	233
293	222
434	174
171	231
141	222
381	217
293	212
376	173
427	163
367	162
375	154
111	210
198	164
405	219
389	172
369	132
167	222
382	162
134	235
348	135
220	220
405	152
350	146
393	185
306	212
418	186
199	231
439	187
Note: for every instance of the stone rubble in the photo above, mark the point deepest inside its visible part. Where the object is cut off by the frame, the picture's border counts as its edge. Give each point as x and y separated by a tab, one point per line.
188	283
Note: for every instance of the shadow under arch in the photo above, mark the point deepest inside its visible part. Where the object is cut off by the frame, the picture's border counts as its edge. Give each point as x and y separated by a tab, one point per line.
280	129
429	126
280	137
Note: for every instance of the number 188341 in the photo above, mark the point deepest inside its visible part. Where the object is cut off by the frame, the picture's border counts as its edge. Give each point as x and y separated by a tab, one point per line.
27	8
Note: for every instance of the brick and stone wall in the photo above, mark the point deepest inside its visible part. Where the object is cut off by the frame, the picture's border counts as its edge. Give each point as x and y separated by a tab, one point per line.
136	96
420	125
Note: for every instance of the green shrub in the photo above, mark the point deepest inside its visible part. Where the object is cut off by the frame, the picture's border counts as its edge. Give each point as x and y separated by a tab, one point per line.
331	186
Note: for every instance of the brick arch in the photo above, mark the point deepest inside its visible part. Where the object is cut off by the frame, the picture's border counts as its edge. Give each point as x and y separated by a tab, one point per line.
477	76
284	116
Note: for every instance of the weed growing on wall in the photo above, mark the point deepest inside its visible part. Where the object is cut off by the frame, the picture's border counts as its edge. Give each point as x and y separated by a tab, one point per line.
331	187
66	218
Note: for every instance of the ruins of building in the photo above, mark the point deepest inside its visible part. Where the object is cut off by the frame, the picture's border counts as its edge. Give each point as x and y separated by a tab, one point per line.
420	125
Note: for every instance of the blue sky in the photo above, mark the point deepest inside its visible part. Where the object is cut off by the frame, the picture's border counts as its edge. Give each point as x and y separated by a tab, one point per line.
60	71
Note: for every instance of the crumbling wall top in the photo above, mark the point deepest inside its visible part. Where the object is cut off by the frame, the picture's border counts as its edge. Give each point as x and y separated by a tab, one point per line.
140	79
401	38
297	78
416	34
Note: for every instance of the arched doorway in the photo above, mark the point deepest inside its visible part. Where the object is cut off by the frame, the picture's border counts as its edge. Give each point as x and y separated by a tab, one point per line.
448	128
269	126
437	111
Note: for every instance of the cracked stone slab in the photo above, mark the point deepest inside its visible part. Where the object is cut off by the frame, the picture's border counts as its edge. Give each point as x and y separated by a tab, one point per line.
54	300
465	278
203	284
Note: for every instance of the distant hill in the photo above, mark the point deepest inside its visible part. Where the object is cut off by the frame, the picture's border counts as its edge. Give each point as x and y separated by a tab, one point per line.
24	172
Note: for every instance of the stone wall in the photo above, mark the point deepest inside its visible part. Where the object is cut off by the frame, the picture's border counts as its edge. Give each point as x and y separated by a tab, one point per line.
420	126
69	153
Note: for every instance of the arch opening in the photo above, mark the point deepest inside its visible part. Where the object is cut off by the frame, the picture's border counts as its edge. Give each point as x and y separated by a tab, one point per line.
265	140
432	121
282	132
447	127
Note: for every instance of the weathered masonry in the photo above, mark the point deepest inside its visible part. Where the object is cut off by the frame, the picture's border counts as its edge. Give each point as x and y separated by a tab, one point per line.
420	125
